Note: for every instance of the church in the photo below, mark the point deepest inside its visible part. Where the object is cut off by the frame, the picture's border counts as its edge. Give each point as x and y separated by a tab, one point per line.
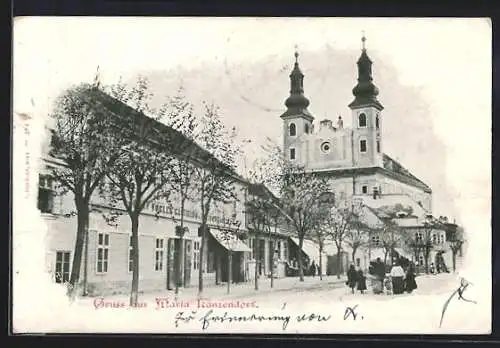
357	168
352	158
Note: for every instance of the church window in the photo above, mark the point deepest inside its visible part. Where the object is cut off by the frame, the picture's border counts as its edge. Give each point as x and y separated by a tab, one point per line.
364	189
378	146
377	122
325	147
362	145
306	128
293	130
362	120
292	154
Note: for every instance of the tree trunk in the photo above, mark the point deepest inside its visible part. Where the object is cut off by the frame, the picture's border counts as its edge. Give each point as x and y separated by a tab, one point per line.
178	270
320	264
229	270
134	218
339	262
385	256
301	270
86	262
81	231
426	261
256	256
271	255
354	255
454	260
202	254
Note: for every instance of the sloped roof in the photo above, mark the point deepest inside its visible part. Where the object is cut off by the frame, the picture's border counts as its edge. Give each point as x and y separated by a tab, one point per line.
402	174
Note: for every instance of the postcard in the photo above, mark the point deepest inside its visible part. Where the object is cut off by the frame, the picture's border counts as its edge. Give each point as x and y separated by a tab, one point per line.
251	175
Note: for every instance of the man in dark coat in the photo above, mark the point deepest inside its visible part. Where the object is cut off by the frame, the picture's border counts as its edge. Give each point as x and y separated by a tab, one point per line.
352	277
410	283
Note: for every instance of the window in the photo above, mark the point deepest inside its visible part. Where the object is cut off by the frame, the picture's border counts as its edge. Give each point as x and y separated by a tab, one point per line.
364	189
378	146
376	240
196	255
293	130
306	128
421	260
278	248
434	239
362	145
325	147
159	255
377	122
45	194
362	120
102	252
62	266
358	262
130	256
418	237
292	154
285	250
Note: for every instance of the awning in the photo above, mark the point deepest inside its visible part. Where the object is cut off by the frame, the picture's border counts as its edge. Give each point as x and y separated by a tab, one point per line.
229	240
403	253
310	248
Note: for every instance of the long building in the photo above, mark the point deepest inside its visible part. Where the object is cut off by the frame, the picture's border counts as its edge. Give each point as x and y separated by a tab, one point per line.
107	260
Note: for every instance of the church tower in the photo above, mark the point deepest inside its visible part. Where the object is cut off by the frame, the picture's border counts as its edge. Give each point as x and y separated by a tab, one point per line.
366	116
297	120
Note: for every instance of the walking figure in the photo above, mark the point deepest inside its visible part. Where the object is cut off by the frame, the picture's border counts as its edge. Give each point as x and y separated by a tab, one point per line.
352	276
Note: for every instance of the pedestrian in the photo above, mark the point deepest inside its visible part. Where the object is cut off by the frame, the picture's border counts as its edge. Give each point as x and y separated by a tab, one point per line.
397	278
410	283
312	269
361	281
431	269
379	272
352	276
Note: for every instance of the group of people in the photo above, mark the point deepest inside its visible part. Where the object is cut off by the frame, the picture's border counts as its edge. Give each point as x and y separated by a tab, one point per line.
398	281
356	279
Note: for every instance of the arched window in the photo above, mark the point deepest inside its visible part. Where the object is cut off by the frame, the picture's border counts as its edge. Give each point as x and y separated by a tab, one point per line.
306	128
362	120
377	122
293	130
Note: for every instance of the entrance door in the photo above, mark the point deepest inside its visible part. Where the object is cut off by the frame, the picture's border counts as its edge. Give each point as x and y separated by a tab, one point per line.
62	266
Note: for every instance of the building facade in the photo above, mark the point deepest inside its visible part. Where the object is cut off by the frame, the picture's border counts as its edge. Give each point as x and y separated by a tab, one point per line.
164	257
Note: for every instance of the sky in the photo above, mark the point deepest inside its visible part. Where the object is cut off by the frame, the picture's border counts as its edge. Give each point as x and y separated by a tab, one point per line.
434	77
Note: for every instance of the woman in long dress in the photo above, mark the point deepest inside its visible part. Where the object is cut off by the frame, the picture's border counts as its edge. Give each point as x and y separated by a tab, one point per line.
410	283
397	277
352	276
361	281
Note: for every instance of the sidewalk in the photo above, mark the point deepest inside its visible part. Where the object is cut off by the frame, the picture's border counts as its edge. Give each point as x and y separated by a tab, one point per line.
241	290
247	289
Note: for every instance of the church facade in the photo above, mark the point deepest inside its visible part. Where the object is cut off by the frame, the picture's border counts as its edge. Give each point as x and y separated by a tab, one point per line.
357	168
352	158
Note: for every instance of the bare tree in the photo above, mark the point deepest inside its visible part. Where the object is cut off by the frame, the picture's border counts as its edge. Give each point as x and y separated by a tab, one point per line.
339	222
216	175
83	139
141	175
182	170
357	235
300	199
257	206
